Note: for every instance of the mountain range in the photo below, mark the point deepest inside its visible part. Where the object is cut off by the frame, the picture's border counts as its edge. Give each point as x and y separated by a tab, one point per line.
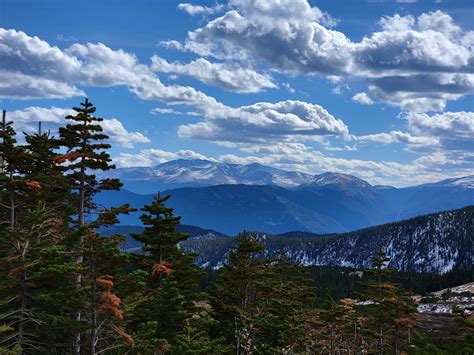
199	173
231	197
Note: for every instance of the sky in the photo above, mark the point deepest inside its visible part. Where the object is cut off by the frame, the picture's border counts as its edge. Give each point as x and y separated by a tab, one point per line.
378	89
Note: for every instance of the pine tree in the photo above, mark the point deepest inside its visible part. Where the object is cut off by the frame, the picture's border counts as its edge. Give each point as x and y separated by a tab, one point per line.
260	302
34	293
86	152
390	310
12	165
45	176
195	339
103	263
35	244
168	278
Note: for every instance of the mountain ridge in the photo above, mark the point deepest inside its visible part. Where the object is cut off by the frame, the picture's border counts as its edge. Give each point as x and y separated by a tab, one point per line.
201	173
436	242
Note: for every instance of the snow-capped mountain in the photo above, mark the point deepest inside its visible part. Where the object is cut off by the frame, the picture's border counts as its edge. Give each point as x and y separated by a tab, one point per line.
198	173
430	243
466	182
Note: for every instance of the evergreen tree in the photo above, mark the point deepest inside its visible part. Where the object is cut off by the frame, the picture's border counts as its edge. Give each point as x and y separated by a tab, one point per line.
260	302
168	280
35	302
86	152
12	165
35	244
103	263
45	176
195	339
335	328
390	310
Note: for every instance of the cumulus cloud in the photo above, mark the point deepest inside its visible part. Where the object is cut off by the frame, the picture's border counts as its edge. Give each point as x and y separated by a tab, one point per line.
455	130
399	137
98	65
289	35
226	76
417	63
194	10
362	98
264	121
32	68
412	62
449	135
26	120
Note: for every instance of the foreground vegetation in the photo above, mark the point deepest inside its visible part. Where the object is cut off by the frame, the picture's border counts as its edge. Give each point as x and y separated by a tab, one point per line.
65	288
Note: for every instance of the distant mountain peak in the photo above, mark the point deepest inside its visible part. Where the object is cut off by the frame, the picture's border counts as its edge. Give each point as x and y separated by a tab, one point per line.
465	182
339	178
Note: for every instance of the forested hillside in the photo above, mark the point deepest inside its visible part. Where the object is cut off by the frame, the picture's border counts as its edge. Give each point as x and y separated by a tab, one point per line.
431	243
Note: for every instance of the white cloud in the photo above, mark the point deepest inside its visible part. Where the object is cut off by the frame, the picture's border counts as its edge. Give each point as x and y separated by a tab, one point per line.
399	137
31	68
362	98
26	120
18	86
288	87
455	130
448	133
411	62
194	10
227	76
285	120
172	44
165	111
289	35
98	65
117	133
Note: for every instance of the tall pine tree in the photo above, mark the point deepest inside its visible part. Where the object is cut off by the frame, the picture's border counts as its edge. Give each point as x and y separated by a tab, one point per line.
86	152
168	280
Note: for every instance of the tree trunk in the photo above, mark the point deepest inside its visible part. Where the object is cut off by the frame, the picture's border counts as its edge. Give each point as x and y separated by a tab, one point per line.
12	201
94	330
21	337
80	257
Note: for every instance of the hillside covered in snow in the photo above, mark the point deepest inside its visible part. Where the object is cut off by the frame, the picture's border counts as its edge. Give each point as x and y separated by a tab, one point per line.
430	243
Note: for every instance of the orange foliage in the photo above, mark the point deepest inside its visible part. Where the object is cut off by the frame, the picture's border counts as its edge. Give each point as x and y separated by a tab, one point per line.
107	284
109	302
161	268
34	185
387	286
60	159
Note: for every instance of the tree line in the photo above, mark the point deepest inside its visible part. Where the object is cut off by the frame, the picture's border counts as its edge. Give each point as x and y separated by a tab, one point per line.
66	288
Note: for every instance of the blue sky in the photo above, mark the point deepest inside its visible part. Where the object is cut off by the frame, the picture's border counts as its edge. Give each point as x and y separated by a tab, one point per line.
378	89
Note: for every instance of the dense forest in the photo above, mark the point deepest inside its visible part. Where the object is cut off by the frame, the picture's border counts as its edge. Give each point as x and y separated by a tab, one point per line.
67	288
